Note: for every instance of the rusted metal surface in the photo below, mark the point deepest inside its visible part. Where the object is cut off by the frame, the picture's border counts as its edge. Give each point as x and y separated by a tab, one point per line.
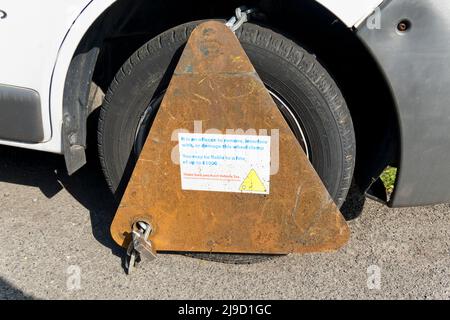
216	83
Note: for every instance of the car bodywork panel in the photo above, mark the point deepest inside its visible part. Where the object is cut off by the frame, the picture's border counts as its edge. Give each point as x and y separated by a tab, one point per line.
45	51
31	38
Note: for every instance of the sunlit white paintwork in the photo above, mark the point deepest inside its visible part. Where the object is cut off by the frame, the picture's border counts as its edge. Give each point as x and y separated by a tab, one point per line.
351	12
39	38
30	38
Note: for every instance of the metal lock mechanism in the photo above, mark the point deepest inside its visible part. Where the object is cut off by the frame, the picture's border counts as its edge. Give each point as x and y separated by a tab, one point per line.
140	247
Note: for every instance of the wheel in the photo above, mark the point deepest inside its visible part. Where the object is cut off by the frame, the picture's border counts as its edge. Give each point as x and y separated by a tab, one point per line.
305	93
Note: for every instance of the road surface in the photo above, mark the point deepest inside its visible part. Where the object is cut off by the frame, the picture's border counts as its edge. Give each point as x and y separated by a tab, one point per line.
55	243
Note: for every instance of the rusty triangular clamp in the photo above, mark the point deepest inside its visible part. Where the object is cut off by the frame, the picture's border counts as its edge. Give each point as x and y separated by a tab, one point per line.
226	209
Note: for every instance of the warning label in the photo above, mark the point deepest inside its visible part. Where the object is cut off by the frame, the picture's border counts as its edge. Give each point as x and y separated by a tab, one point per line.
225	163
253	183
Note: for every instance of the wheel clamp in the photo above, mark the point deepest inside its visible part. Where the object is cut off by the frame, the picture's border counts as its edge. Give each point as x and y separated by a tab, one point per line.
243	186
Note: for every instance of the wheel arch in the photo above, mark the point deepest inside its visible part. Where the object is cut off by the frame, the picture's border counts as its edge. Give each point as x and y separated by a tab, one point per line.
336	46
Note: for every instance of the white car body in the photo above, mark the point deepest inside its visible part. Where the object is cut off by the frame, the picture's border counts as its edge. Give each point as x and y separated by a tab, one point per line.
39	39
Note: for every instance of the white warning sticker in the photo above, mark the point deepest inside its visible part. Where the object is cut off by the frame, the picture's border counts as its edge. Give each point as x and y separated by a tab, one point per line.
225	163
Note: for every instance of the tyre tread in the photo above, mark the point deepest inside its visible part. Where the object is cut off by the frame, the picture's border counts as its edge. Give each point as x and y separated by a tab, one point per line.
263	37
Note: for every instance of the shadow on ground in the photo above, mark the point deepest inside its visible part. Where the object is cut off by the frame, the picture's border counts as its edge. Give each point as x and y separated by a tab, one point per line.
10	292
48	173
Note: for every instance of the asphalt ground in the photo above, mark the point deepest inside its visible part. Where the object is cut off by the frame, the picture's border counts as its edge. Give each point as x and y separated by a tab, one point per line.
55	244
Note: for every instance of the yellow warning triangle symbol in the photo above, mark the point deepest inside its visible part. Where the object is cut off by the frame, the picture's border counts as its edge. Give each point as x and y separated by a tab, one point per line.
252	183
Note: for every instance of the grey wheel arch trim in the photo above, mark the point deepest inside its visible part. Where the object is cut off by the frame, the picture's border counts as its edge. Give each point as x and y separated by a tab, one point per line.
416	67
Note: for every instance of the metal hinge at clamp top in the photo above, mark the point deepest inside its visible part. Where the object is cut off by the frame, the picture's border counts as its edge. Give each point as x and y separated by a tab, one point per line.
242	15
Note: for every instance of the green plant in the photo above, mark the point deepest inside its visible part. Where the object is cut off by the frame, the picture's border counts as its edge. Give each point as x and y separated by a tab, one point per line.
388	177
